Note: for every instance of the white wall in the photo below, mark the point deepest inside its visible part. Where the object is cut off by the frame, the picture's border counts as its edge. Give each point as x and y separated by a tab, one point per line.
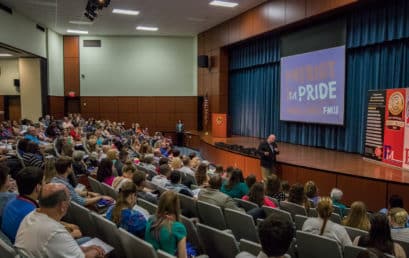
139	66
55	52
30	88
9	72
20	32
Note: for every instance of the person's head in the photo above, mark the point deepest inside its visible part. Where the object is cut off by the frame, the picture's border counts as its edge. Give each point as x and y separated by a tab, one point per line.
285	186
123	155
139	178
395	201
128	169
297	194
175	153
398	217
251	180
112	154
148	159
276	233
235	178
176	163
22	145
271	138
336	194
168	205
256	194
201	173
29	181
31	130
194	164
192	155
380	233
165	170
163	161
324	209
219	170
4	178
78	156
49	170
104	169
63	165
54	198
272	185
175	177
67	149
215	182
310	189
186	161
358	217
126	199
229	171
32	147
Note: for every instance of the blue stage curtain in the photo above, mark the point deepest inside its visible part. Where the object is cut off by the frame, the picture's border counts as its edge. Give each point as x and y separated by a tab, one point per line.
377	58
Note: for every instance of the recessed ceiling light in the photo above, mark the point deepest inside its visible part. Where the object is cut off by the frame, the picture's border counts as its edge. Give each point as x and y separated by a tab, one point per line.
223	4
126	12
147	28
78	31
5	55
81	22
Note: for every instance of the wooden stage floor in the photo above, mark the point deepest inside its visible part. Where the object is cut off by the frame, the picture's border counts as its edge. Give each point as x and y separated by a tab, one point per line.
323	159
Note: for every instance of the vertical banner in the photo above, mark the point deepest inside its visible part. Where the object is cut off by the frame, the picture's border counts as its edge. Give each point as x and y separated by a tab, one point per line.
406	146
394	131
375	120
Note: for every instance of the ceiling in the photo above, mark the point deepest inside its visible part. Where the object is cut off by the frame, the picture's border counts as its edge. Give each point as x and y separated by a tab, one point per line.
173	17
15	53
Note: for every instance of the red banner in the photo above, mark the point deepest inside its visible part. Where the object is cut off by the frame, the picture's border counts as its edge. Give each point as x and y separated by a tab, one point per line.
394	131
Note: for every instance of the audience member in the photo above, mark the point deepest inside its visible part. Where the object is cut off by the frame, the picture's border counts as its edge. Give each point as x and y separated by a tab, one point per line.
139	179
336	196
273	188
105	173
251	180
324	226
49	170
213	196
123	214
31	135
127	173
5	194
380	237
162	178
276	234
78	165
298	196
84	198
186	166
397	220
148	162
257	195
176	185
235	187
42	235
311	191
357	217
176	163
395	201
29	181
202	179
32	156
164	231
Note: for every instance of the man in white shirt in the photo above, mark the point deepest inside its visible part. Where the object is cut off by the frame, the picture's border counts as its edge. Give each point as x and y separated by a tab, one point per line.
186	166
42	235
162	179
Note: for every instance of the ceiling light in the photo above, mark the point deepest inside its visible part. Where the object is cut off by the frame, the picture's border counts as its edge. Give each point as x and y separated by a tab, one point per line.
81	22
78	31
5	55
223	4
126	12
147	28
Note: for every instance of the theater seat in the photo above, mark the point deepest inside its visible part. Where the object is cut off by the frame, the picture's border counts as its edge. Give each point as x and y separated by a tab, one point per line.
192	235
109	233
6	251
150	207
241	224
217	243
188	206
162	254
211	215
293	208
107	190
81	216
134	246
310	245
95	185
246	205
299	221
352	251
250	247
354	232
336	218
268	211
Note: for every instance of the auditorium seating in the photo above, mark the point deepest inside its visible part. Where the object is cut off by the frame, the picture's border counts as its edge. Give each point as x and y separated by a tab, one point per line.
134	246
188	206
246	205
241	224
192	234
150	207
250	247
351	251
311	245
95	185
299	221
217	243
354	232
211	215
293	208
108	190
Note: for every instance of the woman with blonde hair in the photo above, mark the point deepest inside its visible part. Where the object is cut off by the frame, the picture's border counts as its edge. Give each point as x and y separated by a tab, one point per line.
49	170
123	214
357	217
164	231
397	219
176	163
324	226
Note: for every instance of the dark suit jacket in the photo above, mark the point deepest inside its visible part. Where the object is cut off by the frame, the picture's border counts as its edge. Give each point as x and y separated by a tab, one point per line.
267	161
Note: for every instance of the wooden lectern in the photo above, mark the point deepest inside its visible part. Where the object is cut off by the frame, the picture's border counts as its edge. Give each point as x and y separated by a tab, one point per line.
219	125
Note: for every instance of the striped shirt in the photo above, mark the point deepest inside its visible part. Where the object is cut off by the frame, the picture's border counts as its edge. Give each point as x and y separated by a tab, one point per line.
74	195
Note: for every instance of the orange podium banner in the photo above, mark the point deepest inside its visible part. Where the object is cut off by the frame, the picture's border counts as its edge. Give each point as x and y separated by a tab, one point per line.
219	125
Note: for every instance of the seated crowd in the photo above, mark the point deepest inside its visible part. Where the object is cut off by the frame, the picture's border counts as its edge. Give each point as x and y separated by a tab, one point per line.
53	159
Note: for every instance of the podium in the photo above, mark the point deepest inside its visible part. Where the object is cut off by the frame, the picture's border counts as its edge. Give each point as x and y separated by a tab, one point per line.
219	125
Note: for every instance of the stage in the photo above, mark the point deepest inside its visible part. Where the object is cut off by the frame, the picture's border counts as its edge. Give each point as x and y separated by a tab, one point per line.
357	177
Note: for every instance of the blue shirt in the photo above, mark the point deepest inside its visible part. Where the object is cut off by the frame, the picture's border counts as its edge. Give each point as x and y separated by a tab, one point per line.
74	195
131	220
32	138
5	197
14	212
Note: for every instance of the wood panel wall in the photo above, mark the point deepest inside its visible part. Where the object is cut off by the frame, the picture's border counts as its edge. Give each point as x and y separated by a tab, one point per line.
273	15
2	107
71	65
56	106
155	113
374	193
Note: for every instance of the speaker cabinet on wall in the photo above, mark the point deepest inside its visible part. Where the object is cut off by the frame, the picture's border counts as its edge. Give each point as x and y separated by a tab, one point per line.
203	61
